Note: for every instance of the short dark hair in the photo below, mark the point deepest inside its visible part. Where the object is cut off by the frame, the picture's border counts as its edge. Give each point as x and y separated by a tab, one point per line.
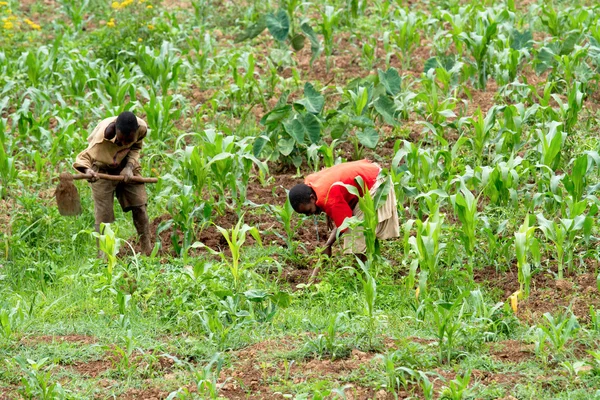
127	123
300	194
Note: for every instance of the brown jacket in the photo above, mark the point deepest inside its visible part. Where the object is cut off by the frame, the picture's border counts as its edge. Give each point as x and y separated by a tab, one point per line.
105	154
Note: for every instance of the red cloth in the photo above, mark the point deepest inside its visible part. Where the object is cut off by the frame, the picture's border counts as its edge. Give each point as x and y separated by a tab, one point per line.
335	200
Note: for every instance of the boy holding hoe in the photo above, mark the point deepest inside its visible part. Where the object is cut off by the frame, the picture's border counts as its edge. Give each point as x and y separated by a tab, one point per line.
114	149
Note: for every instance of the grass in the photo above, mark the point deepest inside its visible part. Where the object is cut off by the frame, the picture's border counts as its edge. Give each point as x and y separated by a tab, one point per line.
171	327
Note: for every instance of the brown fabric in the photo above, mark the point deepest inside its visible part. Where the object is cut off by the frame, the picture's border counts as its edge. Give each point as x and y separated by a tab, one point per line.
387	228
130	195
106	153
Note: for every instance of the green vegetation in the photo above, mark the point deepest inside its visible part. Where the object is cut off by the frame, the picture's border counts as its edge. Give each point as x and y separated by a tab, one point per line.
483	115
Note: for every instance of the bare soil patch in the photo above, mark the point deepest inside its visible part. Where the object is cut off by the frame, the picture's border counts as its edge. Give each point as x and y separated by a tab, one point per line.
512	351
79	339
547	293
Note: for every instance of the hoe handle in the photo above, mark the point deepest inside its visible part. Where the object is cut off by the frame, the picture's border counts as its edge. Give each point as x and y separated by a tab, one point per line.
137	179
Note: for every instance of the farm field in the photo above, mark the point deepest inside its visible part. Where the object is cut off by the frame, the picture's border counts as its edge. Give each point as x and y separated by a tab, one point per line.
484	116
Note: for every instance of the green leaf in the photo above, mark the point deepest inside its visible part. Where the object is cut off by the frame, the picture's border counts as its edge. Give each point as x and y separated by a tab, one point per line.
259	144
313	101
315	45
390	80
278	24
368	137
252	31
387	109
273	117
520	40
256	295
298	42
286	146
307	125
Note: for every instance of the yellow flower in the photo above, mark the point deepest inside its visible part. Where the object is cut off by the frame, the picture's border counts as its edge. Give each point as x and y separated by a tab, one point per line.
149	7
150	26
116	5
3	3
111	23
32	24
140	39
7	25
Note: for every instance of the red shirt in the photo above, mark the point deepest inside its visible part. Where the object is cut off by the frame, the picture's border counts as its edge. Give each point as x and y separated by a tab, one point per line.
335	200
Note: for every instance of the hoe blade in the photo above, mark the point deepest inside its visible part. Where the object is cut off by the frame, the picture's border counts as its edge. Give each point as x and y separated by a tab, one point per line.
67	197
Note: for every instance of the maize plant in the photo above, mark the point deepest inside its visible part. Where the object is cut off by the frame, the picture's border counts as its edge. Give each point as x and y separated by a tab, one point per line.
562	235
426	245
465	207
526	243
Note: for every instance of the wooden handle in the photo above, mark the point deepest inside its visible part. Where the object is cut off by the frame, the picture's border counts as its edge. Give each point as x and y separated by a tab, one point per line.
137	179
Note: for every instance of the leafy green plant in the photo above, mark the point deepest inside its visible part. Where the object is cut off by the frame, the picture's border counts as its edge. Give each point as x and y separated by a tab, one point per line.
328	342
109	244
427	245
525	242
465	206
559	330
459	388
37	381
478	42
448	319
235	238
561	234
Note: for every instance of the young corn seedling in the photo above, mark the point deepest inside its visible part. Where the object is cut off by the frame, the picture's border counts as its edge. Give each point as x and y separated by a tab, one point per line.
459	388
478	43
109	244
76	10
329	21
235	238
447	318
37	382
550	144
405	34
562	235
426	244
465	206
160	66
368	204
396	377
369	286
284	215
525	243
576	181
558	331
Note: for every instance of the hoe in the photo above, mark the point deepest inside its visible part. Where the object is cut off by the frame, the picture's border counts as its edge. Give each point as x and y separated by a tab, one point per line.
67	196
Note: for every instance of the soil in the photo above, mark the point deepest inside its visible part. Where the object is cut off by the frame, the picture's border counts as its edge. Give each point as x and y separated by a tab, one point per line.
251	373
79	339
512	351
144	394
262	196
547	294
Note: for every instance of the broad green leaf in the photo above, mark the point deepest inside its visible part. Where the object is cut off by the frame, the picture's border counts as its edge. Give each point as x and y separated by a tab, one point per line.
390	80
387	109
298	42
286	146
313	101
521	40
368	137
259	145
315	44
253	30
278	24
309	125
276	115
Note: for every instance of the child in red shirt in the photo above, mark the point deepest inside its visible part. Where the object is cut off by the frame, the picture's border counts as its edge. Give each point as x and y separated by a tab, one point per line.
320	193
